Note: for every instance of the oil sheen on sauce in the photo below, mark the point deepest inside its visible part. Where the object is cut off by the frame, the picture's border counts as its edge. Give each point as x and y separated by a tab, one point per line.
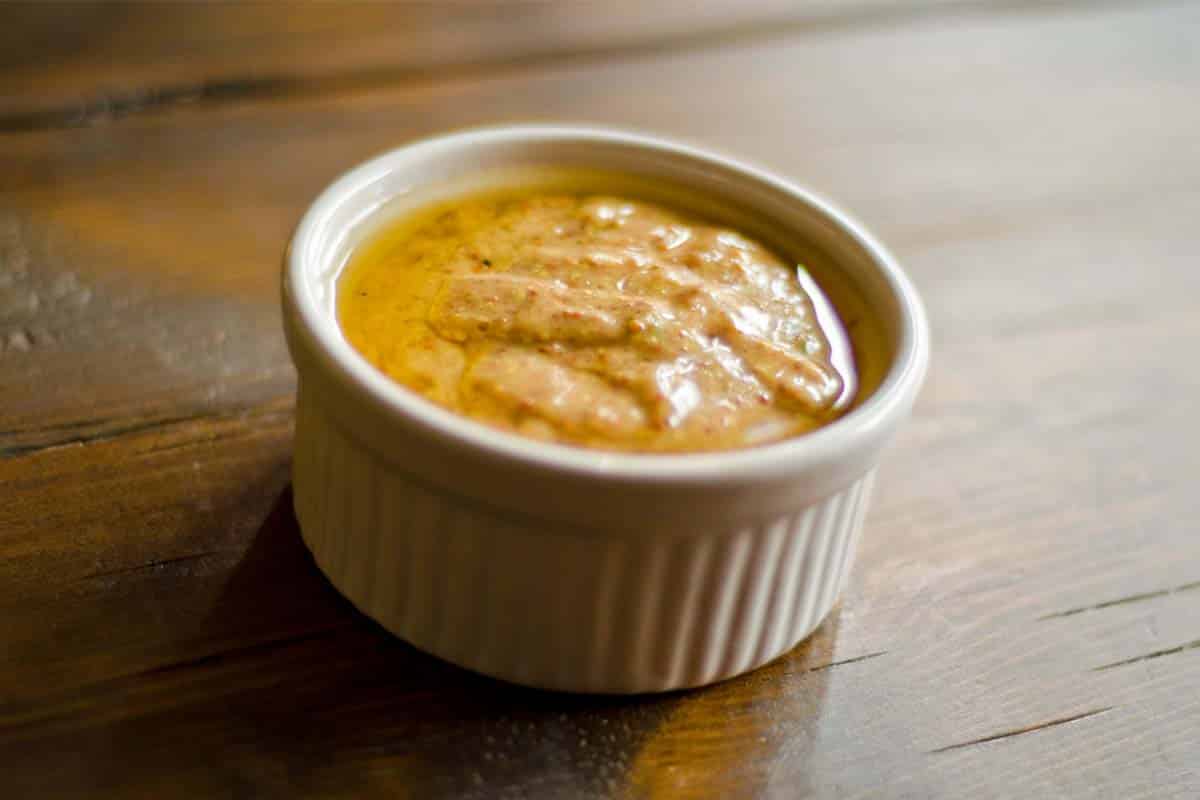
599	320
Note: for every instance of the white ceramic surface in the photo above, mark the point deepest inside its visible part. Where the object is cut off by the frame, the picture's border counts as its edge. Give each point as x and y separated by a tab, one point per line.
561	567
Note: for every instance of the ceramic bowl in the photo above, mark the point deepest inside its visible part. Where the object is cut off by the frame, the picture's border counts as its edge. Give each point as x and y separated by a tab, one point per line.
561	567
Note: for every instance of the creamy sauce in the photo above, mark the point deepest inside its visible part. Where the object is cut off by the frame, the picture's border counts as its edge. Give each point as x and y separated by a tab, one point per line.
598	320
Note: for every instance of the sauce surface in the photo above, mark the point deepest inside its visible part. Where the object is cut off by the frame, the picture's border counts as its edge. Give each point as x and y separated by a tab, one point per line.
597	320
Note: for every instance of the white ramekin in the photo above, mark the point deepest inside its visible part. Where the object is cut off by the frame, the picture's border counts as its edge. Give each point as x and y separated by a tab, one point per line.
561	567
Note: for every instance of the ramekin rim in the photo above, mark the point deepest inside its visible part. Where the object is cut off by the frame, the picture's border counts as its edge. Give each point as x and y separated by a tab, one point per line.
888	403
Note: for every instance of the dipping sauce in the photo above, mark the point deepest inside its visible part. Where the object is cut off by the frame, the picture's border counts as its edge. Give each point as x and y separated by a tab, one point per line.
597	320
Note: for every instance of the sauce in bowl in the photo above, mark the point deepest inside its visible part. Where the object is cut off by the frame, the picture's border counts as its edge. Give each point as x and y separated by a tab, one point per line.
599	319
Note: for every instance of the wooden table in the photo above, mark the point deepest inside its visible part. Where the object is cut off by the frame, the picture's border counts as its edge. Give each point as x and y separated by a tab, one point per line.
1024	619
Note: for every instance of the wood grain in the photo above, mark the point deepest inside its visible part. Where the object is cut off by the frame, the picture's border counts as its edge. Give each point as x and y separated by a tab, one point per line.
1022	618
72	63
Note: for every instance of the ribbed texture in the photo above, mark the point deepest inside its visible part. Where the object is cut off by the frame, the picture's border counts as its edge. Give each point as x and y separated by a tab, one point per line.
571	610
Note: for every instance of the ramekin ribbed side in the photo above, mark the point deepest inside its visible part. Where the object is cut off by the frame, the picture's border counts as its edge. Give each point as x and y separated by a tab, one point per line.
578	609
563	567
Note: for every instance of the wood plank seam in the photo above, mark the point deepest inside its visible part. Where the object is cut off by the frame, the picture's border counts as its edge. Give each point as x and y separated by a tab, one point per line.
843	662
156	563
1040	726
282	406
1133	598
23	725
116	105
1170	651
